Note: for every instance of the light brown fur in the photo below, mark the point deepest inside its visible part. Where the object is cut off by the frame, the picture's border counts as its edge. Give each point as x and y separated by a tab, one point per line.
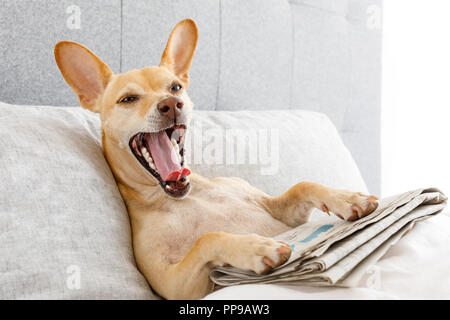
223	221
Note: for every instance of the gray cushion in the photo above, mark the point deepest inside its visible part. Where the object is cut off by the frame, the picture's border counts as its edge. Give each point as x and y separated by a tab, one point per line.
272	150
256	55
64	228
341	75
29	31
319	55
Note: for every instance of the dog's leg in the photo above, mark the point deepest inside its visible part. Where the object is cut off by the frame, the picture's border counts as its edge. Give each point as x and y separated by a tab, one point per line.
294	206
189	279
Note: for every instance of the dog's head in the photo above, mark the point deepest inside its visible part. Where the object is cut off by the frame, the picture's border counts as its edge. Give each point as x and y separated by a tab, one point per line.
145	113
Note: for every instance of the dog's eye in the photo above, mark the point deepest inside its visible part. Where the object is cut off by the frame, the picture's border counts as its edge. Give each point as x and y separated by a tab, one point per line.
175	87
129	99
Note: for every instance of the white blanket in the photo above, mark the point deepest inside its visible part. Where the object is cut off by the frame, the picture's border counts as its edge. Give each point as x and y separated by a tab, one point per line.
417	267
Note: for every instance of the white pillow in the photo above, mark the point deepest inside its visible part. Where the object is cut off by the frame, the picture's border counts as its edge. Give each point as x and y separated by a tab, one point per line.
277	149
64	229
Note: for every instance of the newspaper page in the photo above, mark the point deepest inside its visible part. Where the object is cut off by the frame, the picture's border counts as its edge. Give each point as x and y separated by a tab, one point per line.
332	251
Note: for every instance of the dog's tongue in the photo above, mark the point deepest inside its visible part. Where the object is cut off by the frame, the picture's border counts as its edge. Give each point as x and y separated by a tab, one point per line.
164	156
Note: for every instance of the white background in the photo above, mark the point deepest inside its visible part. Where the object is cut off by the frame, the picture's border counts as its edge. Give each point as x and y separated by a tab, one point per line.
416	95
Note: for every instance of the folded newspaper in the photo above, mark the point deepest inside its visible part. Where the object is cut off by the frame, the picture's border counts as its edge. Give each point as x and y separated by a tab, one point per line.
334	252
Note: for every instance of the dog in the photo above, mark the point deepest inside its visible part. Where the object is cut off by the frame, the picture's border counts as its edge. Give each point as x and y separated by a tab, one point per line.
184	224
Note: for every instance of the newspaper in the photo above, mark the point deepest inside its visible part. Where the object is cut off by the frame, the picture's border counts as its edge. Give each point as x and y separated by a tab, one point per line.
334	252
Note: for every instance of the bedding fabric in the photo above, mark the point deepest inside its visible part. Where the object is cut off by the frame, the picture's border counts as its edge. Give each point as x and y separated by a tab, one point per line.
415	268
64	229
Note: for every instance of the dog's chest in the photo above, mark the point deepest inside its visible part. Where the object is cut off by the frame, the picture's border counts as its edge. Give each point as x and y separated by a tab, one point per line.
183	224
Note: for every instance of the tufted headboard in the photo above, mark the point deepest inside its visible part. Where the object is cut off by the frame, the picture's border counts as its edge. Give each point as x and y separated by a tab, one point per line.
321	55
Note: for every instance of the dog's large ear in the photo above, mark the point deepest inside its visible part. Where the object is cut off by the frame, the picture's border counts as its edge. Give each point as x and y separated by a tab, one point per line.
85	73
177	56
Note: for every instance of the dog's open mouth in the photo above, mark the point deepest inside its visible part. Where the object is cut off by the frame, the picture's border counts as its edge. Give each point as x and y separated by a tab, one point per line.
162	154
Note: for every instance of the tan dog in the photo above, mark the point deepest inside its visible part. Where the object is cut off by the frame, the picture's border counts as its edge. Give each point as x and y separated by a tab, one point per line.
185	225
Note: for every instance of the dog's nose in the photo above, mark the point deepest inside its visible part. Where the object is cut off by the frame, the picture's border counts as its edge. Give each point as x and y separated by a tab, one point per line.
170	107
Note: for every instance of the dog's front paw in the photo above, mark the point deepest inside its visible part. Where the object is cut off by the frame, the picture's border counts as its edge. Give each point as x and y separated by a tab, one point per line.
351	205
259	254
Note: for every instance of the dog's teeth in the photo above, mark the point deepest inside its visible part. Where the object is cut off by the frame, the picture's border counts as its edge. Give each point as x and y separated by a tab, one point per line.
149	161
146	155
144	151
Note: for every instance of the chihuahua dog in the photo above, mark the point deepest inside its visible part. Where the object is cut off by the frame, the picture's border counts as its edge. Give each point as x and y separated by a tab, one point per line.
184	224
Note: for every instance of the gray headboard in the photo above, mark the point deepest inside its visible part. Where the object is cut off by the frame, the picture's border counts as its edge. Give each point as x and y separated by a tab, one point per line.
320	55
